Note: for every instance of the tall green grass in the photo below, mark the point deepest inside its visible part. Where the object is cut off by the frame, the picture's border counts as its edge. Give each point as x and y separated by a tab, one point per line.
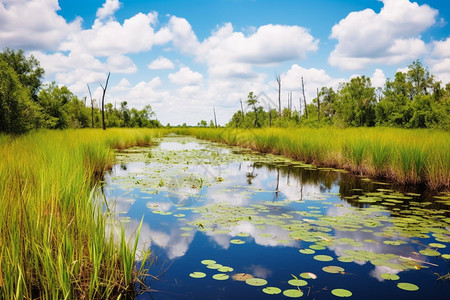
406	156
53	231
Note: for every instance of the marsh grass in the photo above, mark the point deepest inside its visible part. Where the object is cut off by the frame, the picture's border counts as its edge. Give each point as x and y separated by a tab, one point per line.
407	156
53	233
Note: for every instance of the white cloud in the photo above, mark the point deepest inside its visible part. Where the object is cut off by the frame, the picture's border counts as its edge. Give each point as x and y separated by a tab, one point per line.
135	35
108	9
440	60
121	64
34	25
389	37
378	78
185	76
161	63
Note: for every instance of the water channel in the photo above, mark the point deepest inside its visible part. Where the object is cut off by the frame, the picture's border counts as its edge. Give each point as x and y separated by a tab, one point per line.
227	223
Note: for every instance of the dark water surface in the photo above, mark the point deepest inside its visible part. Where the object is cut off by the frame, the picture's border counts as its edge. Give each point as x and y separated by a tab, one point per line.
275	219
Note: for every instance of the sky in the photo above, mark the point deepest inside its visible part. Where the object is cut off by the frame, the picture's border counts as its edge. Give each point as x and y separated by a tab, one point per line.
185	58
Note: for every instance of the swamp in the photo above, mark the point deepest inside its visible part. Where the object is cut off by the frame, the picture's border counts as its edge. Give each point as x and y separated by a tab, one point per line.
226	222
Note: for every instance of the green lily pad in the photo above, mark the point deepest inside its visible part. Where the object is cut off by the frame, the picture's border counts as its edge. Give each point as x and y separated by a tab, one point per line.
446	256
291	293
341	293
437	245
242	234
388	276
220	276
237	242
317	247
407	286
271	290
297	282
333	269
346	259
225	269
197	274
256	281
323	258
306	251
429	252
214	266
208	261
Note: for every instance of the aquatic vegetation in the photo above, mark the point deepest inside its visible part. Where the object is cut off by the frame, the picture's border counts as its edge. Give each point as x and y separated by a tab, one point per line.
406	156
54	235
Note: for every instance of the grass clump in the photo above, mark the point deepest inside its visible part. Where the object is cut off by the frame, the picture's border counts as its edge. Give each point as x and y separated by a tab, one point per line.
53	231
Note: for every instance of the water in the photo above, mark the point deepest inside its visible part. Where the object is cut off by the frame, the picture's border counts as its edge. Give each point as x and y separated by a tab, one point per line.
269	217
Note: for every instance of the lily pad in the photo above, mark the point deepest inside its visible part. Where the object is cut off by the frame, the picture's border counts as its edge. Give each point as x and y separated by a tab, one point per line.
341	293
220	276
323	258
333	269
242	276
197	274
429	252
437	245
306	251
225	269
237	242
271	290
291	293
297	282
256	281
407	286
208	261
308	275
388	276
214	266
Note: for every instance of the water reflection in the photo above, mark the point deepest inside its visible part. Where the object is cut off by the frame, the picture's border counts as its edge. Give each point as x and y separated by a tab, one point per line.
197	198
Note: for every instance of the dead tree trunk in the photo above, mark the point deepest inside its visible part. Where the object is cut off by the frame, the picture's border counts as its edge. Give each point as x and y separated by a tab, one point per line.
92	106
278	78
304	98
242	110
215	120
103	101
318	106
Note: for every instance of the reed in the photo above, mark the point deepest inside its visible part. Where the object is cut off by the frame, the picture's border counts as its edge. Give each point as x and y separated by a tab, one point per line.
53	232
416	156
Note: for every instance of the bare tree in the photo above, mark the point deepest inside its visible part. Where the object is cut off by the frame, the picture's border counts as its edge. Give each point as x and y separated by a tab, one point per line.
242	110
215	120
318	106
92	106
304	98
278	78
103	100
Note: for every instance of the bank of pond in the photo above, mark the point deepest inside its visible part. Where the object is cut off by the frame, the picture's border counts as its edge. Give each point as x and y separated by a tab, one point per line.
146	213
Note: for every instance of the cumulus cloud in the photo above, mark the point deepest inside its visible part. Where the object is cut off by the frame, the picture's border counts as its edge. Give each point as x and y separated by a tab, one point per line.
161	63
34	25
108	9
135	35
389	37
121	64
439	60
185	76
378	78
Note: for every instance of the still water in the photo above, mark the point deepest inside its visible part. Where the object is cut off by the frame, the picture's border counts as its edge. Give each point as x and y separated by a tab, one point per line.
227	223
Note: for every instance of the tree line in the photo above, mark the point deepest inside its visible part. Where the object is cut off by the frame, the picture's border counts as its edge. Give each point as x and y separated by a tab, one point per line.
26	103
413	99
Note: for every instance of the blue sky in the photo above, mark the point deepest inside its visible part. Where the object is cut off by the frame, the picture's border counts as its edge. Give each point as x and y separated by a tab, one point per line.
184	57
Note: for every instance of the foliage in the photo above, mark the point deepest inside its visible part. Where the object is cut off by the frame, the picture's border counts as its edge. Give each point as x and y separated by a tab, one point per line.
413	99
26	104
52	223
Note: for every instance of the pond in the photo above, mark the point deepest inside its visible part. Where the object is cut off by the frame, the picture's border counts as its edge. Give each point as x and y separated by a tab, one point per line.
227	223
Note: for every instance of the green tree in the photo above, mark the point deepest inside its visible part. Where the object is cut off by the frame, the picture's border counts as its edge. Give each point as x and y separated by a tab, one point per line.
28	70
18	113
252	101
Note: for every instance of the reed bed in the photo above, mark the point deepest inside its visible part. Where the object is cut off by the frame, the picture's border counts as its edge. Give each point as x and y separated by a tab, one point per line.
410	157
53	231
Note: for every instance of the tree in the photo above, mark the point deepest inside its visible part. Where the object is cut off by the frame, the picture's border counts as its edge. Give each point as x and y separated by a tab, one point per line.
18	113
103	100
202	123
252	100
28	70
278	78
420	78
